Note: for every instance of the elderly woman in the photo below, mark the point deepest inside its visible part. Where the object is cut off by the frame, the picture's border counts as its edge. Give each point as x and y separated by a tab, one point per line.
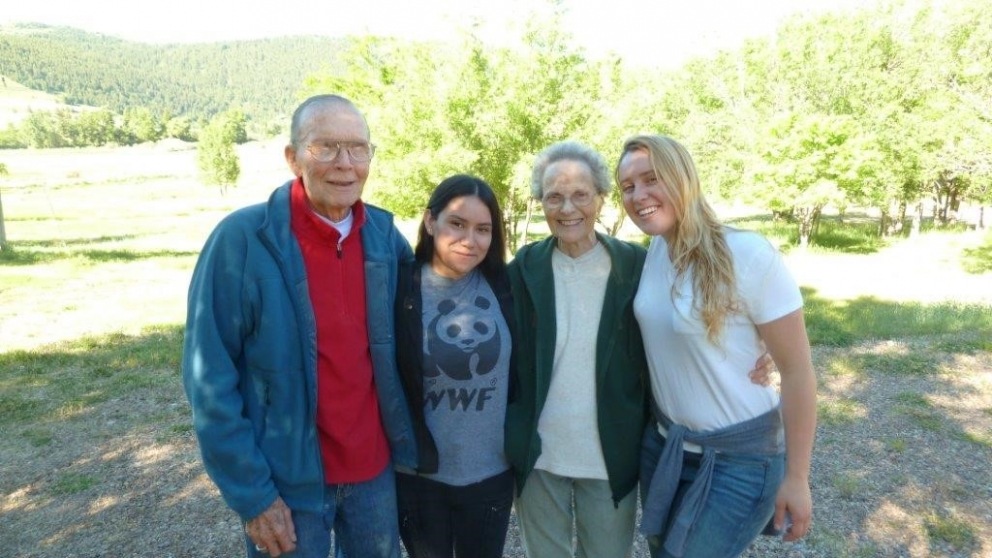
579	392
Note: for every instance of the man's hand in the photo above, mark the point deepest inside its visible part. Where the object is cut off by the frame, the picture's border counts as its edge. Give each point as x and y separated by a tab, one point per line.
273	531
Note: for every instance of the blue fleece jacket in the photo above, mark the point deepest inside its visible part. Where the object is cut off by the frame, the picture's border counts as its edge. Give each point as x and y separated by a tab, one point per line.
250	356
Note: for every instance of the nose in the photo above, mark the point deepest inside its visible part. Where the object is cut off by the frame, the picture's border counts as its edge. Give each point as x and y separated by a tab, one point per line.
342	158
469	238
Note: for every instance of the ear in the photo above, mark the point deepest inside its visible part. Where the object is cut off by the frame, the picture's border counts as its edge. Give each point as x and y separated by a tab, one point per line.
294	166
429	222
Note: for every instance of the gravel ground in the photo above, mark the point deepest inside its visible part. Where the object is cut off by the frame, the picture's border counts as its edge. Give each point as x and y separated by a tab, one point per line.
891	476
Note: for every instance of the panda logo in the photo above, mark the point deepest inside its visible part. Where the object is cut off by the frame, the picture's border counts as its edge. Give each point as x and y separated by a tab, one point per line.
464	343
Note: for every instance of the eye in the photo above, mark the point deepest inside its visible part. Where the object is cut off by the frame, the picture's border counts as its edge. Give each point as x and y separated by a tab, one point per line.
359	150
627	188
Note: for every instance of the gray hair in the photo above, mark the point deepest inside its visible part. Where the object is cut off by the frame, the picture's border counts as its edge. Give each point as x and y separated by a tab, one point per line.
326	100
570	151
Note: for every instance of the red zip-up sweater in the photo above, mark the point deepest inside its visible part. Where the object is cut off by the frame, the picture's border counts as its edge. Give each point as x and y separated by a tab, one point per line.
352	442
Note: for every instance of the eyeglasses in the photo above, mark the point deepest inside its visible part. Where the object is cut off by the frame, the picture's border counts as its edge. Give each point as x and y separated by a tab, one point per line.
327	152
581	198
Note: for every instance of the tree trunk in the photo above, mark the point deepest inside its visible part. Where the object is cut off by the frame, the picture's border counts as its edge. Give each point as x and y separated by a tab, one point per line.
3	231
526	227
509	222
917	220
804	215
902	216
884	225
618	223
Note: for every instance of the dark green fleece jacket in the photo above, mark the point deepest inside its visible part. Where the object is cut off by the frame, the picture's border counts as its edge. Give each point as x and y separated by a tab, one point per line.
621	369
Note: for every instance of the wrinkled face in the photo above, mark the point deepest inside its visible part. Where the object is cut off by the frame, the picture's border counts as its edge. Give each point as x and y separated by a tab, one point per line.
461	234
645	195
335	186
571	205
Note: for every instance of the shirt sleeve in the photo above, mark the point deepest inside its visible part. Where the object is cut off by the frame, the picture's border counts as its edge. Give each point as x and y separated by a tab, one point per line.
765	282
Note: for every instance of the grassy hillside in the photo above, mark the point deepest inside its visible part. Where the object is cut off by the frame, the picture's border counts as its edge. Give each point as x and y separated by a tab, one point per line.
193	80
17	101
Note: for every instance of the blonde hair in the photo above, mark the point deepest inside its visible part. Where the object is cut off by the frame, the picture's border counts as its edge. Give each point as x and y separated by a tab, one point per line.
698	242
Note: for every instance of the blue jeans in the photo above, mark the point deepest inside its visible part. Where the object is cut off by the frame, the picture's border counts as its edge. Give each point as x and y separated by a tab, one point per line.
362	517
439	520
741	499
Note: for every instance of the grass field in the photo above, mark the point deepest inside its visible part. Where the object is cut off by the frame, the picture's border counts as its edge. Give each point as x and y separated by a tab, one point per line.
94	427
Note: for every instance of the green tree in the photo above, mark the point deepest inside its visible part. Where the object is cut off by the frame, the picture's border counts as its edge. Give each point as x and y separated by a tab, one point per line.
236	125
216	156
179	127
810	162
139	123
96	127
510	104
40	130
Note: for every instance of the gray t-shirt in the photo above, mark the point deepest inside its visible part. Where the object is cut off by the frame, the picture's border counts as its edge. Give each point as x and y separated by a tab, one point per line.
466	375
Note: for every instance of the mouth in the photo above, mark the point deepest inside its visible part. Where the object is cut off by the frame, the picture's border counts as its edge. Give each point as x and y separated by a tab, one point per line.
569	222
644	212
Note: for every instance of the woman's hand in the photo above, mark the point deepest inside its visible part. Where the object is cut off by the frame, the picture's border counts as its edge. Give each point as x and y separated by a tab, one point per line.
764	367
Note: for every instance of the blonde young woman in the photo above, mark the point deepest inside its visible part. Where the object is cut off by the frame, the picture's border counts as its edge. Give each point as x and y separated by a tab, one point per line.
725	456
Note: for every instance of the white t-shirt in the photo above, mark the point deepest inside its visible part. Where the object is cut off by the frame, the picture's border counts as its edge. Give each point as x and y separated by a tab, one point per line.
568	427
695	382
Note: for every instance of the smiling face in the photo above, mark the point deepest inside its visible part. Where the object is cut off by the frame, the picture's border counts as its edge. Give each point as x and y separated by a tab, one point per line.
645	195
332	187
461	235
566	182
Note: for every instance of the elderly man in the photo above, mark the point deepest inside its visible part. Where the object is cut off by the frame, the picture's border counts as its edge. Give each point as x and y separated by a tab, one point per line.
289	356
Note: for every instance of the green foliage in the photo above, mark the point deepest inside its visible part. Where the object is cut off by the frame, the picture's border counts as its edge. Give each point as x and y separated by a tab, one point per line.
216	157
70	483
476	109
896	445
10	138
849	486
42	387
844	323
141	126
835	234
842	411
884	107
979	258
950	529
